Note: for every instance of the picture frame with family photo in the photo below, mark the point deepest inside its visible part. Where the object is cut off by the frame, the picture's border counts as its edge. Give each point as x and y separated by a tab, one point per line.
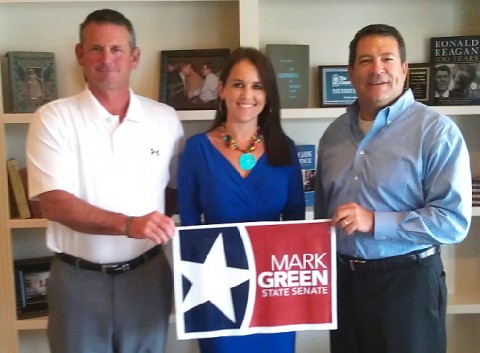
189	78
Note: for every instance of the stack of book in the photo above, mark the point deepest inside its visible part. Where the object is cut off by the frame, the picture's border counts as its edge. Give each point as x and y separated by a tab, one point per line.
476	192
20	205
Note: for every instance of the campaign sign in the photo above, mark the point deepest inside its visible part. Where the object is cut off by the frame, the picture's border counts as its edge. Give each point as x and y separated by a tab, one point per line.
243	278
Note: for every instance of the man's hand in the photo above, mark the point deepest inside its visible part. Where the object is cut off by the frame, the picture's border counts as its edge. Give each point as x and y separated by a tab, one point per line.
155	226
352	217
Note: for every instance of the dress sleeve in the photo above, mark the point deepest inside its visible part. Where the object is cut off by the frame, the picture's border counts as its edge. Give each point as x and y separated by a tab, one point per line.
295	207
188	185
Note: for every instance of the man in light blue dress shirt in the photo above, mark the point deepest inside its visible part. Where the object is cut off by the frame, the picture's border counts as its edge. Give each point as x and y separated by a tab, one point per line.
394	176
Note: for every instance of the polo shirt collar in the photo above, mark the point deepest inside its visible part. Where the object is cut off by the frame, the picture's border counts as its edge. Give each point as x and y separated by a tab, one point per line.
95	110
134	111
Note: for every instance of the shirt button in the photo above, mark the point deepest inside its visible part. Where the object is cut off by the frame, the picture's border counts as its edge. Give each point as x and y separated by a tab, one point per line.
362	152
355	178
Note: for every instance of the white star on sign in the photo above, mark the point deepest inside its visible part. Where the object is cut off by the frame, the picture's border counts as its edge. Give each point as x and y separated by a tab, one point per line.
212	280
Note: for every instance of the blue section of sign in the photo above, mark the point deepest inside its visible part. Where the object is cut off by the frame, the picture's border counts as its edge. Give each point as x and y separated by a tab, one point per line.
207	317
195	246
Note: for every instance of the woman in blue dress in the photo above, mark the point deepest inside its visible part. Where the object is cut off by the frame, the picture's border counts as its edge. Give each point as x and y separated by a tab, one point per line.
244	169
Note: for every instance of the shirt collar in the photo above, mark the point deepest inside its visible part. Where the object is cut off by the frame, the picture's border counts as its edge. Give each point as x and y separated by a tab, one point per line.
95	110
387	114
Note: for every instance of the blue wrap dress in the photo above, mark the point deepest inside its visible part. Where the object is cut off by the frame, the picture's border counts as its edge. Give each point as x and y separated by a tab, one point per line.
211	191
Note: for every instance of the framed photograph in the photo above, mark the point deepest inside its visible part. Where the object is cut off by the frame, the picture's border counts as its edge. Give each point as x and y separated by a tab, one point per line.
189	78
335	87
418	80
31	279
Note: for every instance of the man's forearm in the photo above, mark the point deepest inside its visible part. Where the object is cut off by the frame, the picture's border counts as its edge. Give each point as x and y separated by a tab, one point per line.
67	209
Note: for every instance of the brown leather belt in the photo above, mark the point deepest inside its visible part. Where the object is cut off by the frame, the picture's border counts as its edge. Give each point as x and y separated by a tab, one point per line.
111	269
388	263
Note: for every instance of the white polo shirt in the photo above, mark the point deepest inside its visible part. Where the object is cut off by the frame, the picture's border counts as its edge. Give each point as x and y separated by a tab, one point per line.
75	145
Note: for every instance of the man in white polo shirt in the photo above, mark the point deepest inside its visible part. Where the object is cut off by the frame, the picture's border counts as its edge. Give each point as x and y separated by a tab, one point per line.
100	163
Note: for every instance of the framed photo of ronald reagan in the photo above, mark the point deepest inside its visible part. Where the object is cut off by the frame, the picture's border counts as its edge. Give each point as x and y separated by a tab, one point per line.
189	78
31	280
335	87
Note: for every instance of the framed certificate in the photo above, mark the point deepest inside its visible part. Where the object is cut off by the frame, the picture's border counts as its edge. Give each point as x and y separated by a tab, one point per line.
335	87
418	80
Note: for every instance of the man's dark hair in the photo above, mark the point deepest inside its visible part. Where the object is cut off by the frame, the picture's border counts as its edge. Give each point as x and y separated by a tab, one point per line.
108	16
442	68
182	64
377	30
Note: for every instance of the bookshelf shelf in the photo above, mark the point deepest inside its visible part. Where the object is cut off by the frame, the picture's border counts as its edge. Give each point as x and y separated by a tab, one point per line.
27	223
463	304
37	323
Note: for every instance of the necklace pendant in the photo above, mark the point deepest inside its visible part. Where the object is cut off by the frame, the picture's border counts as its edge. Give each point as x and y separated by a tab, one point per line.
247	161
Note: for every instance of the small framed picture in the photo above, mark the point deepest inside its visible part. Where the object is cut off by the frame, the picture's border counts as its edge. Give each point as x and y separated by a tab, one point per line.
31	280
189	78
336	89
418	80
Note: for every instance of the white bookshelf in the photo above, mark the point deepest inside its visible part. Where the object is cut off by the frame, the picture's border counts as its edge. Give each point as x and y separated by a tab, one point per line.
327	26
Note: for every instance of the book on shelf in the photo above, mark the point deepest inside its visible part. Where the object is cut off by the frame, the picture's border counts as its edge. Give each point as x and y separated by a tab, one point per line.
29	80
18	192
307	160
291	64
455	70
35	208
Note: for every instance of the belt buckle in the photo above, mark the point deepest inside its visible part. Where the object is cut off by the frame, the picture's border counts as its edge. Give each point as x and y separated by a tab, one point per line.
354	262
124	268
121	268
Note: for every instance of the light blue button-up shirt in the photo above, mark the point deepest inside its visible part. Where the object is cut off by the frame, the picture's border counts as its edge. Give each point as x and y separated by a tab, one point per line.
412	169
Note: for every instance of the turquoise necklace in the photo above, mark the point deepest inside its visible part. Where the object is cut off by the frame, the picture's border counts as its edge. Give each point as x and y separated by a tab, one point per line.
246	160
